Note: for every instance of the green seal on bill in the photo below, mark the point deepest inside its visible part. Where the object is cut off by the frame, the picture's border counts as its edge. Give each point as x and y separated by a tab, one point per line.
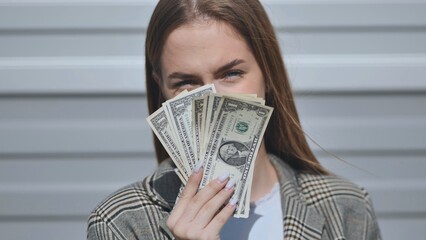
241	127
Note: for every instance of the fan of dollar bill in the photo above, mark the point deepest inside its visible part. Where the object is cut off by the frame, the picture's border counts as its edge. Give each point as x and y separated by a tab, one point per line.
223	132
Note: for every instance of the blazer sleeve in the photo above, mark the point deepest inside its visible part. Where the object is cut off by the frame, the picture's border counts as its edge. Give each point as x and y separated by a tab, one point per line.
372	230
97	229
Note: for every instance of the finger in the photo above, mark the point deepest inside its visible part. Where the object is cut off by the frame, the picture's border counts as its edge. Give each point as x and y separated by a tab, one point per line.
191	186
211	208
203	196
187	194
217	223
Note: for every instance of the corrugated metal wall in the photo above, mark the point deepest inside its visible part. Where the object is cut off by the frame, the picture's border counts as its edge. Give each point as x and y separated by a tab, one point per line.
73	106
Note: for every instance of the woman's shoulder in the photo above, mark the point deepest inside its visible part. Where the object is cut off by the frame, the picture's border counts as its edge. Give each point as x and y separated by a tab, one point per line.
318	189
343	203
144	202
150	190
315	188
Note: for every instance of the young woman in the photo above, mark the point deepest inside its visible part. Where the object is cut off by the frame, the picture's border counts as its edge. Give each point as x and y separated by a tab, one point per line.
232	44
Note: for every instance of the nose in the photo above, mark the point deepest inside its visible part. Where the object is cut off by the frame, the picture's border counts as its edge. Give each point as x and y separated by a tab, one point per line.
207	80
210	80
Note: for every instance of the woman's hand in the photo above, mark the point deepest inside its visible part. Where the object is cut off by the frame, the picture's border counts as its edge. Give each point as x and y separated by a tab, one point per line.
199	215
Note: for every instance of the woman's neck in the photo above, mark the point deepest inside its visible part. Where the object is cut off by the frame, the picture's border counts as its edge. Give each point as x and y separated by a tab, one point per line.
264	176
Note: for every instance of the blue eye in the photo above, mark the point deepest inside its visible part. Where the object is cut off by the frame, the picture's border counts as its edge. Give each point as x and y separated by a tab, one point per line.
234	73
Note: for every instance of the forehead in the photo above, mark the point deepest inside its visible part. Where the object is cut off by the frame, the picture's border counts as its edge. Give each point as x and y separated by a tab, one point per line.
202	45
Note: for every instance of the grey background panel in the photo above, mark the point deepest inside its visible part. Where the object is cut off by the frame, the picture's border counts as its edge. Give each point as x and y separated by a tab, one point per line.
42	229
72	43
353	41
73	104
50	198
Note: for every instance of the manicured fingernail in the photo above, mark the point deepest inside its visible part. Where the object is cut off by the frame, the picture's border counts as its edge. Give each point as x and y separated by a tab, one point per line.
223	177
230	184
198	167
233	201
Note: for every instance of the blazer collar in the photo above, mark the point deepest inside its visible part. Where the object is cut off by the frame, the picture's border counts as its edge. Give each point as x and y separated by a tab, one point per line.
300	220
164	187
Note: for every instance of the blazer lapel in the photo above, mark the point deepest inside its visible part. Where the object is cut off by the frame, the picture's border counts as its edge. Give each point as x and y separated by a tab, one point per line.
300	221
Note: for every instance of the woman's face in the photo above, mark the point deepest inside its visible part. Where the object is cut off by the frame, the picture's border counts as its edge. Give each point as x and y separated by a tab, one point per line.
206	52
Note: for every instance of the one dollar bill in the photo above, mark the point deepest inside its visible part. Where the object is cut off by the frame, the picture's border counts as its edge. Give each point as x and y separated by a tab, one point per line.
234	142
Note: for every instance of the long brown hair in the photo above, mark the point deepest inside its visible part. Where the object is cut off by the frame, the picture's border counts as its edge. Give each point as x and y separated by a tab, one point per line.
284	136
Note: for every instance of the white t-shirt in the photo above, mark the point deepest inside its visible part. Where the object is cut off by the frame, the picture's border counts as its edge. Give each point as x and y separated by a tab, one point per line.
265	220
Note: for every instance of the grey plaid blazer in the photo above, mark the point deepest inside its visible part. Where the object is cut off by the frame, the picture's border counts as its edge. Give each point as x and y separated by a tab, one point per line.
314	207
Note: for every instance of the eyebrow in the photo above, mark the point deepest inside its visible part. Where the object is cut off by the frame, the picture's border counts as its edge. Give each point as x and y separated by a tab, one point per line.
181	75
229	65
221	69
